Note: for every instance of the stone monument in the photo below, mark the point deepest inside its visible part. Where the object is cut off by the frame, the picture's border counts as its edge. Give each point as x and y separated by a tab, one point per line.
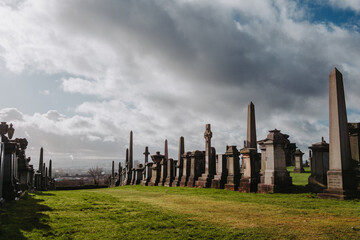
319	153
180	163
205	180
250	161
276	178
298	162
341	177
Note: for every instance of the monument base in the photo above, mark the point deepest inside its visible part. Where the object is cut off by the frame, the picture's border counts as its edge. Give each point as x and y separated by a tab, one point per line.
176	182
316	186
191	182
248	185
204	181
218	183
341	185
168	182
231	187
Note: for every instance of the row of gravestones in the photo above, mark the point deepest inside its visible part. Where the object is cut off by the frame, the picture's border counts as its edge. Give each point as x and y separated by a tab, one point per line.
16	174
335	169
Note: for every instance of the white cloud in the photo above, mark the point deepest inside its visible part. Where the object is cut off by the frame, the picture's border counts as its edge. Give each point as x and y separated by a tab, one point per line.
346	4
166	68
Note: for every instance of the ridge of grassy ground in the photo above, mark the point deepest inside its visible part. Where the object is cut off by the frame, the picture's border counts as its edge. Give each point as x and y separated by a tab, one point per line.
137	212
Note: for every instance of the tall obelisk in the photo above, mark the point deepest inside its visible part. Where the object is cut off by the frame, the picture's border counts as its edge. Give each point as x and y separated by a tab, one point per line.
341	178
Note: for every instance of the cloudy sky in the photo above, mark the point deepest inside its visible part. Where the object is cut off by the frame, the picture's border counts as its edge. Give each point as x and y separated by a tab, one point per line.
77	76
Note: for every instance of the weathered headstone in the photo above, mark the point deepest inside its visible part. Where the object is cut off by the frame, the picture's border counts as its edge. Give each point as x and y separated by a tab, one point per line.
298	162
156	169
221	172
180	163
197	167
233	167
319	153
164	164
276	178
170	173
205	180
354	134
186	169
341	177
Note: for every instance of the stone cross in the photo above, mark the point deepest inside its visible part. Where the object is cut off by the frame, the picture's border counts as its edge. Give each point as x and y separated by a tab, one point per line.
146	153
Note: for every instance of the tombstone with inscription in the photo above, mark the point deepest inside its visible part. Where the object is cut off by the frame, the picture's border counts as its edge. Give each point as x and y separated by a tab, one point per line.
276	178
341	177
250	160
319	153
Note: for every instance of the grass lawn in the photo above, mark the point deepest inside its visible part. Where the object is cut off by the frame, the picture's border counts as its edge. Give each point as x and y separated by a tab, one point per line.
136	212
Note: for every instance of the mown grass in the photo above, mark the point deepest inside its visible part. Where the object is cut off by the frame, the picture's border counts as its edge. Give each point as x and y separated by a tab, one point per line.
136	212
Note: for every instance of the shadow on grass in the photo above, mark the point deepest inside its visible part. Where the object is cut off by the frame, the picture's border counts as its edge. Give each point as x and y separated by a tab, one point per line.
23	215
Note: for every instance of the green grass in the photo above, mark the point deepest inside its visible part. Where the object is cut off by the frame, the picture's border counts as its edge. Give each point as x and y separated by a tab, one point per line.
299	179
136	212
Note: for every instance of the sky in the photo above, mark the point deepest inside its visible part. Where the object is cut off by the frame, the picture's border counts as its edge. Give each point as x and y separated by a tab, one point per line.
78	76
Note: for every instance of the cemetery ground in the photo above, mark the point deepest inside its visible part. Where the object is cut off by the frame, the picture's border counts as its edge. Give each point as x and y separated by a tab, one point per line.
137	212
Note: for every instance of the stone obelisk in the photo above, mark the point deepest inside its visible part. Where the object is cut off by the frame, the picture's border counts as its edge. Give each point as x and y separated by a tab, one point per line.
166	153
50	169
341	178
127	169
41	160
250	160
251	127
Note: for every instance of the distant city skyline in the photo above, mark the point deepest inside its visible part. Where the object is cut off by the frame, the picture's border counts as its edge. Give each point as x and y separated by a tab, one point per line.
78	76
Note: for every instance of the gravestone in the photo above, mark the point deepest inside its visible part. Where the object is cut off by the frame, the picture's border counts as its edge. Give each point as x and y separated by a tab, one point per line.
148	168
298	162
197	167
205	180
341	177
262	156
319	153
233	167
180	163
221	172
138	174
250	160
170	174
276	178
186	169
156	169
164	164
354	130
